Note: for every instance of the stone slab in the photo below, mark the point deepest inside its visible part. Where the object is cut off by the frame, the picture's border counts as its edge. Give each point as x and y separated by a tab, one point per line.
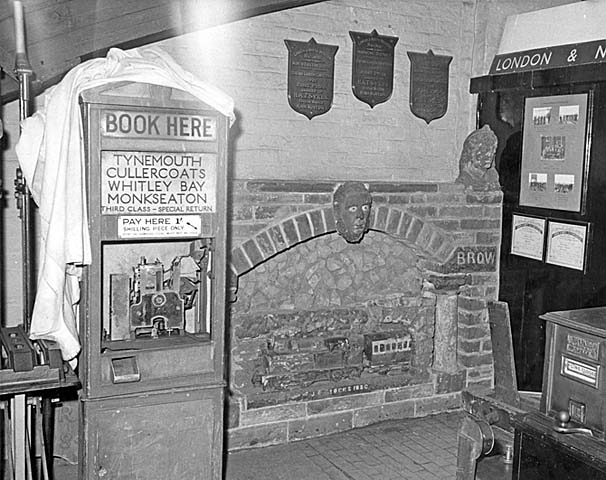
318	426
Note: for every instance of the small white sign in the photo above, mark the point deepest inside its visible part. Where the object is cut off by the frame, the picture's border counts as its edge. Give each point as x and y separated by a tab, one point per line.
159	226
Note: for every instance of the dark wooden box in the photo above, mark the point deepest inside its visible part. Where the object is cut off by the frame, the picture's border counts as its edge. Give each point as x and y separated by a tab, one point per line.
573	378
541	453
174	434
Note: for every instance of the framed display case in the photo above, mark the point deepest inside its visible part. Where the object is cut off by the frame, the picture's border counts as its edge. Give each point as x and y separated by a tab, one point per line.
555	148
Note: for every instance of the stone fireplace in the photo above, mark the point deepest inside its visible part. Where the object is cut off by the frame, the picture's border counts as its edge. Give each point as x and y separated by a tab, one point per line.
326	335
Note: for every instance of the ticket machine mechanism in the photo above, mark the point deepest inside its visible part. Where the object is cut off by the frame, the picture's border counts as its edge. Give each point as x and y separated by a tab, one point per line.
161	300
155	308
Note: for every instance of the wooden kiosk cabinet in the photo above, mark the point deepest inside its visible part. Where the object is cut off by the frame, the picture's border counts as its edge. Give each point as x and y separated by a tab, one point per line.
152	301
565	440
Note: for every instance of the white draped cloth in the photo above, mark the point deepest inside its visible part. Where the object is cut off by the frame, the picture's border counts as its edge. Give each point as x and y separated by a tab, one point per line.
51	155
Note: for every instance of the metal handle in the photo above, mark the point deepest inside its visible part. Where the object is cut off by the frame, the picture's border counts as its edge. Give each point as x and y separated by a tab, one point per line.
562	425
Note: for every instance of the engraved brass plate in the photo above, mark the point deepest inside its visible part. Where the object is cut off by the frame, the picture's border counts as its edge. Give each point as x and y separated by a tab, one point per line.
311	68
580	371
429	84
583	347
372	67
577	411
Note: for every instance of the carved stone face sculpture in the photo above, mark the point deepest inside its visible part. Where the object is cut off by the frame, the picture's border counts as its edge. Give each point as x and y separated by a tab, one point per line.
476	167
351	207
478	151
483	156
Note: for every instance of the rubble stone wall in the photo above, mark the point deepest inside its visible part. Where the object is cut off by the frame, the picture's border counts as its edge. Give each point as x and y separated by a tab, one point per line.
325	336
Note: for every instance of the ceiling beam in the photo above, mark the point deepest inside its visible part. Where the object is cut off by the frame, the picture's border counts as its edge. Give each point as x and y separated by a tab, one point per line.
63	33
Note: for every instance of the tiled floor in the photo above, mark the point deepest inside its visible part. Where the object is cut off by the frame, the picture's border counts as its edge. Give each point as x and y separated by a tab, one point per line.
417	449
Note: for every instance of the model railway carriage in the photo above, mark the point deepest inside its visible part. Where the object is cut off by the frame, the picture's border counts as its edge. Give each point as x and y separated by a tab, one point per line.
387	347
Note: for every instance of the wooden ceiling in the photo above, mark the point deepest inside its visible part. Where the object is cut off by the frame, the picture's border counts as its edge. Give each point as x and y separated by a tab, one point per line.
62	33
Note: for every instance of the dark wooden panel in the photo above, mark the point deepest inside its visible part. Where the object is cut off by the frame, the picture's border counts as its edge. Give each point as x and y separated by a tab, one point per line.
552	77
541	453
61	34
166	435
530	287
506	385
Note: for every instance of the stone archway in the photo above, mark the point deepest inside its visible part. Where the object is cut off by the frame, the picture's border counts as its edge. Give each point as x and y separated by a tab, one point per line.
429	241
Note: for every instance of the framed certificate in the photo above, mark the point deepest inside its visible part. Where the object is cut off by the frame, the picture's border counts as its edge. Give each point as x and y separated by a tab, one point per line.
555	158
567	244
528	236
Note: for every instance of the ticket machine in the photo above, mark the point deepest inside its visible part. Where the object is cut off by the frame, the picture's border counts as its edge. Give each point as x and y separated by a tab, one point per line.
152	304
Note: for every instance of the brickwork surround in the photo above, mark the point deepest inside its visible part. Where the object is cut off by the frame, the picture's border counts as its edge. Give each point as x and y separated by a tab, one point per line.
425	271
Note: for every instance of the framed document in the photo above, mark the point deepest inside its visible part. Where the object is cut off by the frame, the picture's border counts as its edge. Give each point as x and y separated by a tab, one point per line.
567	244
555	152
528	236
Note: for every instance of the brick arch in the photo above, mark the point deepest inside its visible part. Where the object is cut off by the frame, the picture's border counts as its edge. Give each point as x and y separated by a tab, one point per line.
426	239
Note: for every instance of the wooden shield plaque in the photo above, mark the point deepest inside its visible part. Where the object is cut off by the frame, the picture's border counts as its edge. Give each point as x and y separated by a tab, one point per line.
372	67
311	68
429	84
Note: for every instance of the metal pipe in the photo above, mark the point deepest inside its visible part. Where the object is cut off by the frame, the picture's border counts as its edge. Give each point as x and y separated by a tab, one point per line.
24	73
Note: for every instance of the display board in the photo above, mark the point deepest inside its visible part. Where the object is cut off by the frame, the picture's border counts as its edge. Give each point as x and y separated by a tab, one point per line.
554	152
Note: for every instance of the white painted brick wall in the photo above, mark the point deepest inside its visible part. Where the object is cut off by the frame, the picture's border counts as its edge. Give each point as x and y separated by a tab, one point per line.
248	60
277	142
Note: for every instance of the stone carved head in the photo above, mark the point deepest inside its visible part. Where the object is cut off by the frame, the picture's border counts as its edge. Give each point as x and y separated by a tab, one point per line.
476	165
351	208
